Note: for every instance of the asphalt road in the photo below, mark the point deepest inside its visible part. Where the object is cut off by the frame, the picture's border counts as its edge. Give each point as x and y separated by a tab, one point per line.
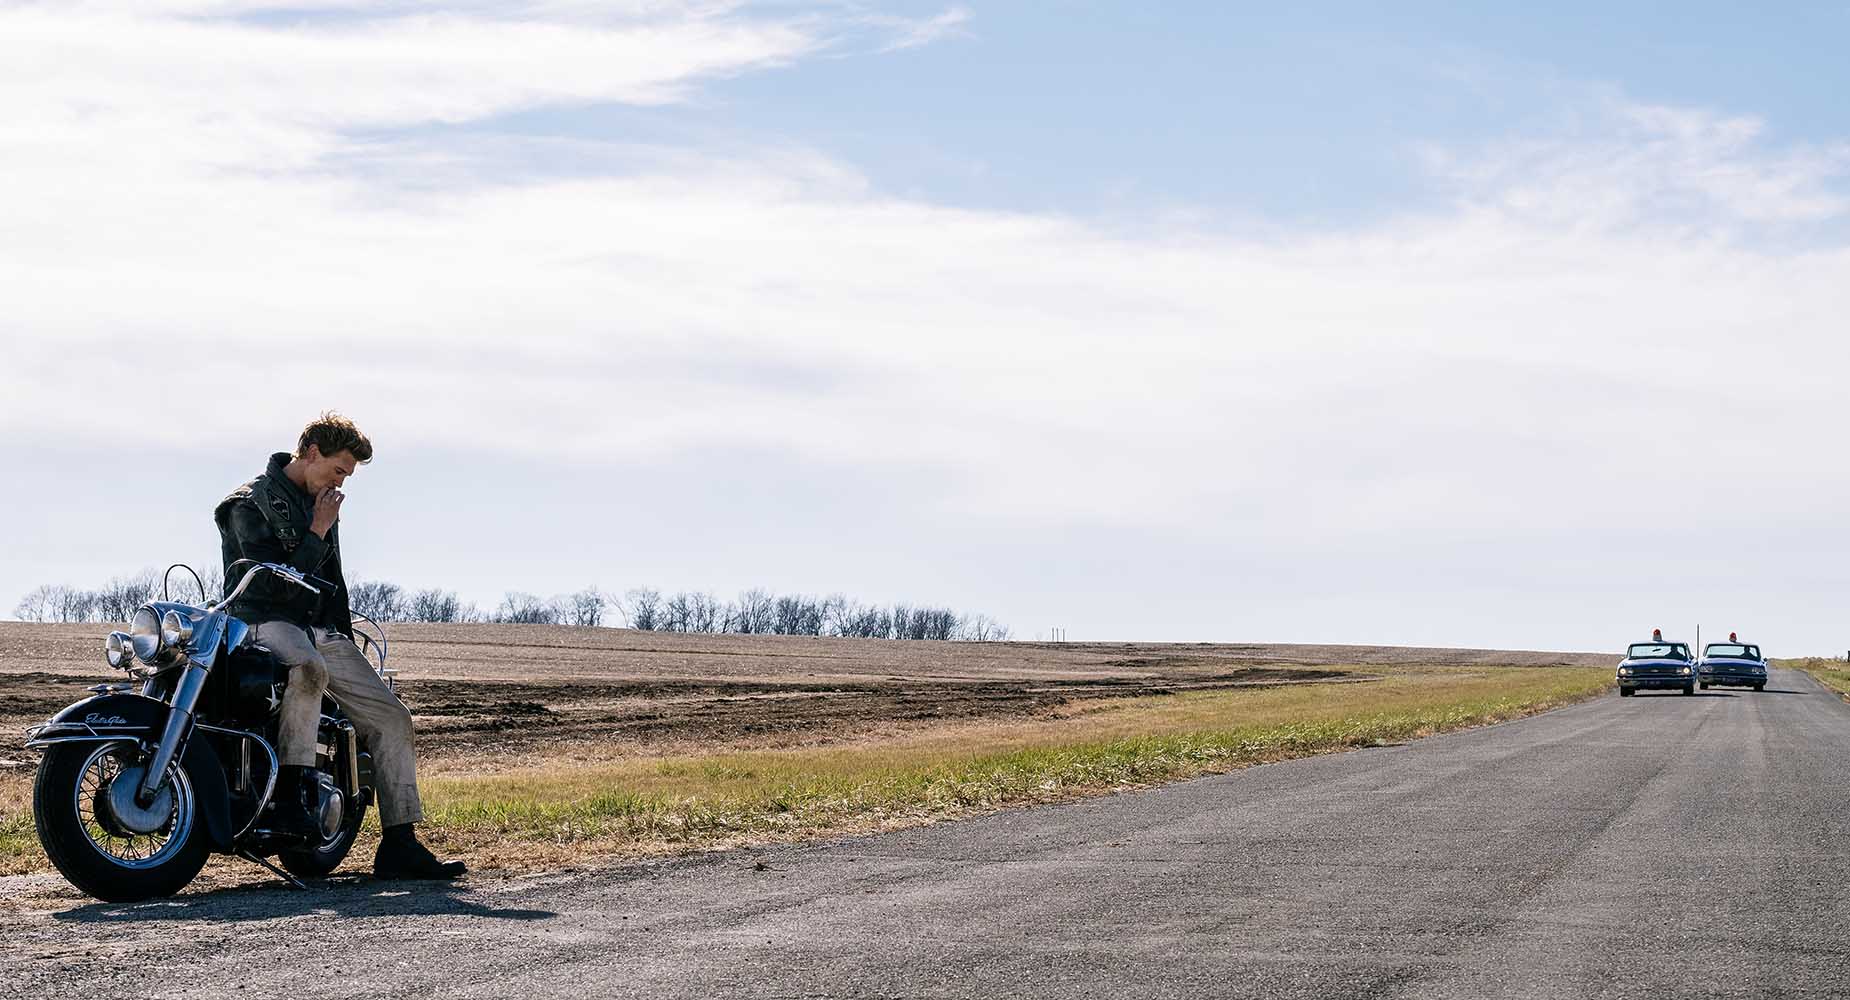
1651	847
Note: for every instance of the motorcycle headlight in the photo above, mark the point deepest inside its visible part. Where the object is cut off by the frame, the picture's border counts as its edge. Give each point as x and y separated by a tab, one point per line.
176	629
116	650
144	634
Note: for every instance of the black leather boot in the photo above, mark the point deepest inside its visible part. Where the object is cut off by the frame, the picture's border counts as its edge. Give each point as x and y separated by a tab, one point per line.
294	803
401	856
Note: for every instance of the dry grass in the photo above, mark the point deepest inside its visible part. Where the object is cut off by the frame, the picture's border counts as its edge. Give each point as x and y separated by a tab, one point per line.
19	845
542	816
1832	673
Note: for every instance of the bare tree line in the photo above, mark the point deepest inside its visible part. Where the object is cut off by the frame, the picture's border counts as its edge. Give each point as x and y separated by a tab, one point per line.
388	602
114	601
756	611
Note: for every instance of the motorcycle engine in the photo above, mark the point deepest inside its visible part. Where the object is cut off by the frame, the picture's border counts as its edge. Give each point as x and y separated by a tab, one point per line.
332	809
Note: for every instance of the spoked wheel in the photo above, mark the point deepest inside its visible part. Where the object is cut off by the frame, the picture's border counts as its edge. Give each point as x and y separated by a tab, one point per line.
101	839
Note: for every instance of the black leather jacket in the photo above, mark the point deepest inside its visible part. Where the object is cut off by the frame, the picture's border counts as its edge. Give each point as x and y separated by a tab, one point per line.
267	520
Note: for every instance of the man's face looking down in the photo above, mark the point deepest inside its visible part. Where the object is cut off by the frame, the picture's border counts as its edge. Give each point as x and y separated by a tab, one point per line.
321	472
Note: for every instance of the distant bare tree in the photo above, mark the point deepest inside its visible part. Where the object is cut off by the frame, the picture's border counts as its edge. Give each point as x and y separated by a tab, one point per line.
585	607
76	605
212	574
119	598
380	601
859	621
37	605
754	611
703	613
677	611
436	605
57	602
838	615
796	616
982	628
829	613
940	624
519	608
924	623
643	608
874	623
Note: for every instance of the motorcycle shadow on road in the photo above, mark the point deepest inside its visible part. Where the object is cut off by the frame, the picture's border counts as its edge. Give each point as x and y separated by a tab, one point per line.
356	896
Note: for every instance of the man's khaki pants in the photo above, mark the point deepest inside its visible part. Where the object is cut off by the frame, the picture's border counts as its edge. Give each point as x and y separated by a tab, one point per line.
320	660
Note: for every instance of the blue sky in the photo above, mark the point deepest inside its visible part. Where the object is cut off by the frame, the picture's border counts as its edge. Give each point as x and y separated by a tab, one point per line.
1347	323
1293	114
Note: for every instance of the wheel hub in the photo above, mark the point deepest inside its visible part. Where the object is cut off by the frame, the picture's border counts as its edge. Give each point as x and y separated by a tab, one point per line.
131	815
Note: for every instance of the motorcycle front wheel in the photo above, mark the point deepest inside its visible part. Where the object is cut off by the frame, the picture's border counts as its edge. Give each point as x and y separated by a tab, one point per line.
156	854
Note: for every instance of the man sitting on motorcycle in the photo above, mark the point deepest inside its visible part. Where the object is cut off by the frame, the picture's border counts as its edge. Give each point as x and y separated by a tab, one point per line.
291	515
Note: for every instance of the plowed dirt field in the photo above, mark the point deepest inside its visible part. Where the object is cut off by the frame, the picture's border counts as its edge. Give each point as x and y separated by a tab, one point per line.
527	690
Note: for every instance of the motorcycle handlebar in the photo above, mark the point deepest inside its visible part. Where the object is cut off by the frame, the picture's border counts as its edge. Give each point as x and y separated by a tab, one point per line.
279	569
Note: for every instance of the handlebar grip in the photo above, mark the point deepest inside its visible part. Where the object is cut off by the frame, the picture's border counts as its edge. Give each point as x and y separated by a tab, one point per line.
276	569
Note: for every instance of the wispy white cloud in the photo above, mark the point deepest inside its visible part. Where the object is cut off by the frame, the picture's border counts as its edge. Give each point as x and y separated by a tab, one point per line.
220	209
1626	164
913	33
403	70
515	315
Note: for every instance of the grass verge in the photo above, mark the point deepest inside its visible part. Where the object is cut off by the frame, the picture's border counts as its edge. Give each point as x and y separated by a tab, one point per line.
554	816
19	844
666	804
1832	673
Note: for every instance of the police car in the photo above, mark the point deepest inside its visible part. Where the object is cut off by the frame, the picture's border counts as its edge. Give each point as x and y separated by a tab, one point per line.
1657	665
1732	664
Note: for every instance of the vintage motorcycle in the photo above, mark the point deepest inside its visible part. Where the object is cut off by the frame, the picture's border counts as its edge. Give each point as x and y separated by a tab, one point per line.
136	789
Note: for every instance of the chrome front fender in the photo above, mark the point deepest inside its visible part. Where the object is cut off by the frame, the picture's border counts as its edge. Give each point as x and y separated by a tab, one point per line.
40	737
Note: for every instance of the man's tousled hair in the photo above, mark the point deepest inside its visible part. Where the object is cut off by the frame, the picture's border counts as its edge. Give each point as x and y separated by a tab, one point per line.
333	433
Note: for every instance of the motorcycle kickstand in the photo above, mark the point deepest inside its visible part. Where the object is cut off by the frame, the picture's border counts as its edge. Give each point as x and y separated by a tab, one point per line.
294	883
